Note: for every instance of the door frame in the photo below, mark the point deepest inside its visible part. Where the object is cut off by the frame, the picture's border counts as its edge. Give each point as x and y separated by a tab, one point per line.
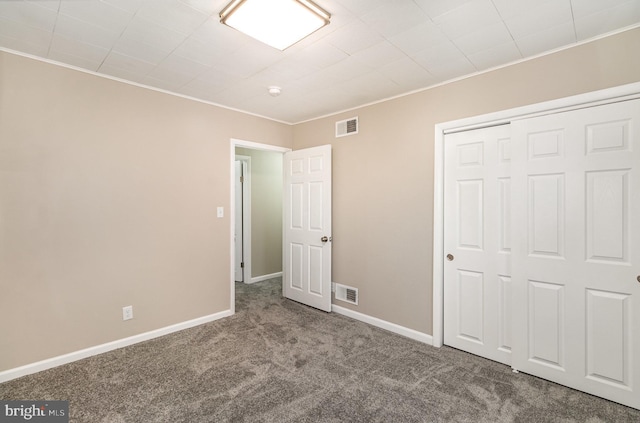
594	98
246	216
232	206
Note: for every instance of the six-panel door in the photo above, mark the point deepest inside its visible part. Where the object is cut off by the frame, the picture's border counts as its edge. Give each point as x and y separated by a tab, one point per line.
307	226
576	202
477	288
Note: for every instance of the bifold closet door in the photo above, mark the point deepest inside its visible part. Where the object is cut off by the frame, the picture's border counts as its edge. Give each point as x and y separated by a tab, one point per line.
477	278
575	180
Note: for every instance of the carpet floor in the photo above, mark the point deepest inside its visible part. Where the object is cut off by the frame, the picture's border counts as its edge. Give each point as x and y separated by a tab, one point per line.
279	361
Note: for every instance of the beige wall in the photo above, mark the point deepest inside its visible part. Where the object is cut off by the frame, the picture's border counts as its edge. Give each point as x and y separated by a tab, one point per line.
108	196
383	176
266	211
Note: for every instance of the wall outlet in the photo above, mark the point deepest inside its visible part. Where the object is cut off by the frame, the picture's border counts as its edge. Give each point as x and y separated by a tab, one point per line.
127	313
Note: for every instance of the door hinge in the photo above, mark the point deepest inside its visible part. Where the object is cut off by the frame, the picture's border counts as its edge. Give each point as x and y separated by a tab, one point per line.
242	265
242	179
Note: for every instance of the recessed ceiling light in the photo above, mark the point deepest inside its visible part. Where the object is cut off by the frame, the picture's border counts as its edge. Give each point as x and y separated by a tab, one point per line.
278	23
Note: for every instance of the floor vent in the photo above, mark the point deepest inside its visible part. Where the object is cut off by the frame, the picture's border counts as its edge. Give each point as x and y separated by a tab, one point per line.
347	127
347	294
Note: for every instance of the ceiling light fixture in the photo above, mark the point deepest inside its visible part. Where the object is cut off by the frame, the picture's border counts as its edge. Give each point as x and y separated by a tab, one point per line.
278	23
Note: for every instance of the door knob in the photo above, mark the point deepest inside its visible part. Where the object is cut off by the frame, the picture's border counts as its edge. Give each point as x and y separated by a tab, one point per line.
638	278
324	239
450	257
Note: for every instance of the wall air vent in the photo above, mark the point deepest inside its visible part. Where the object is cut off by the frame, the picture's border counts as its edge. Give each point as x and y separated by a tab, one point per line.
347	127
347	294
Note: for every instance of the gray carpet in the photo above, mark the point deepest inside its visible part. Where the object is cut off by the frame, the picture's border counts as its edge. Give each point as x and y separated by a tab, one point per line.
279	361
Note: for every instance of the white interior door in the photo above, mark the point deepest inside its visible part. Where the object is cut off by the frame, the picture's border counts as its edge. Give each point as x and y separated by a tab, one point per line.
307	226
477	278
576	269
238	234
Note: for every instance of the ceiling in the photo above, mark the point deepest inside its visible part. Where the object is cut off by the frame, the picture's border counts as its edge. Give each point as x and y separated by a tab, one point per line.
372	50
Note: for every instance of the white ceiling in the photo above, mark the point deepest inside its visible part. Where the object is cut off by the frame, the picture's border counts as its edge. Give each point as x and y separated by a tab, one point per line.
372	50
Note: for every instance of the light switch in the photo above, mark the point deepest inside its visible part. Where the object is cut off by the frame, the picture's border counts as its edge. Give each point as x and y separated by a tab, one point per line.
220	211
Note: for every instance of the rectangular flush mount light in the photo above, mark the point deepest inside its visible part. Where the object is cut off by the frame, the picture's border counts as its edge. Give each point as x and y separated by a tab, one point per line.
278	23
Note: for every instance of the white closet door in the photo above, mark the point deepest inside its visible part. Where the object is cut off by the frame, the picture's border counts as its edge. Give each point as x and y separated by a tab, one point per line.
477	284
576	259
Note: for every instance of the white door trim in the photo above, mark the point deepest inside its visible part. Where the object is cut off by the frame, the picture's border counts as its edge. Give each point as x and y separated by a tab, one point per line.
623	92
246	218
232	219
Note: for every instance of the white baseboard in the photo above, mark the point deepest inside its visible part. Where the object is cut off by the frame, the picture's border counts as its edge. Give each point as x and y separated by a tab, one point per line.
49	363
383	324
265	277
109	346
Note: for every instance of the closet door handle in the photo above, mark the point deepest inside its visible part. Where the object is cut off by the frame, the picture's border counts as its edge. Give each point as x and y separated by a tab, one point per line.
450	257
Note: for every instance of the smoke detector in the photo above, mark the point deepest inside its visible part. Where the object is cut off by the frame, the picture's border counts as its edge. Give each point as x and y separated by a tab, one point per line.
274	91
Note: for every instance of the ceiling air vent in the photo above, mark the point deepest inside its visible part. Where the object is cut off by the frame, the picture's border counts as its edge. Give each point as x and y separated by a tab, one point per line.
347	127
347	294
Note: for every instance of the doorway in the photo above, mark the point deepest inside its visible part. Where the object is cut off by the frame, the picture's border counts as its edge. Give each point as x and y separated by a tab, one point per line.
305	211
256	234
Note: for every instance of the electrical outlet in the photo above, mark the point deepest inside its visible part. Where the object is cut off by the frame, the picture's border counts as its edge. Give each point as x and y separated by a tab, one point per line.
127	313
